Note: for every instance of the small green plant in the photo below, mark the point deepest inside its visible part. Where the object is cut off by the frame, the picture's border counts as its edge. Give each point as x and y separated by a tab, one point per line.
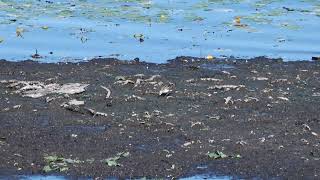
112	161
57	163
217	155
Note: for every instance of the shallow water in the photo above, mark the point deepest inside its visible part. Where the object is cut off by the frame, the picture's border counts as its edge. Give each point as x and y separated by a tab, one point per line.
85	129
40	177
82	29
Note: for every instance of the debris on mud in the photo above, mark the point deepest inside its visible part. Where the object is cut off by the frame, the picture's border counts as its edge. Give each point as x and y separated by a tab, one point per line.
113	161
36	89
96	113
217	155
167	116
57	164
108	91
165	90
316	58
226	87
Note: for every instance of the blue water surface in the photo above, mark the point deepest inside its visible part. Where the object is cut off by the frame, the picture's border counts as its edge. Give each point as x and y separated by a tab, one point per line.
81	29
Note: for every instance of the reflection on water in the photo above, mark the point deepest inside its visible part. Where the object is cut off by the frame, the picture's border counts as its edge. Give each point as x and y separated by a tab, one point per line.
216	67
157	30
201	177
42	177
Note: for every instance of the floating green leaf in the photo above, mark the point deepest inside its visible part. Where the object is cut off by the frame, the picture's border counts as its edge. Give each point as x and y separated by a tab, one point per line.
45	27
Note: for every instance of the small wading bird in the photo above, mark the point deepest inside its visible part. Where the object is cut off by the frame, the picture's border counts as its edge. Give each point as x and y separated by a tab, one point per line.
36	55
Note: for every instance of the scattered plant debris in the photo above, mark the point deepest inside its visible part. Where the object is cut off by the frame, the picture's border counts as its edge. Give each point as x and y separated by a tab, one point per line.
113	161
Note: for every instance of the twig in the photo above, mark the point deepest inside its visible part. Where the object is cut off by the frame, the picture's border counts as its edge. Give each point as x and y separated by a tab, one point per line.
108	91
95	113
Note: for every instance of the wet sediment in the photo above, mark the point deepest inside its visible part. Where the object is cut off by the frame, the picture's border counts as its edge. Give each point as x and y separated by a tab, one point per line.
111	118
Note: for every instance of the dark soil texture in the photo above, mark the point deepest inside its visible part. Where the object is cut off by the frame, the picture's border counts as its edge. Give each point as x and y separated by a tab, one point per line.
259	118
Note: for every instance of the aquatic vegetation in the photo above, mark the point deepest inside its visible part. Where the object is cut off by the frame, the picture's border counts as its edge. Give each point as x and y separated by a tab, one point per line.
58	27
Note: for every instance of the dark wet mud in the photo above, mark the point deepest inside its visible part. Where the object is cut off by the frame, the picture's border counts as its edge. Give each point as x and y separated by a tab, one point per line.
109	118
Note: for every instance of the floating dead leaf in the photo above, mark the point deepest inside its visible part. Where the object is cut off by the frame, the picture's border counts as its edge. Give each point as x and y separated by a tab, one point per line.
237	22
210	57
19	32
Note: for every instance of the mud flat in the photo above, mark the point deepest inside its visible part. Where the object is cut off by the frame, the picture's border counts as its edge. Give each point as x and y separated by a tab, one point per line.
109	118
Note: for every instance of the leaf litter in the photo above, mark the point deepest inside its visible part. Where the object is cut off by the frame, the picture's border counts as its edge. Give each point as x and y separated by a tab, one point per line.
36	89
